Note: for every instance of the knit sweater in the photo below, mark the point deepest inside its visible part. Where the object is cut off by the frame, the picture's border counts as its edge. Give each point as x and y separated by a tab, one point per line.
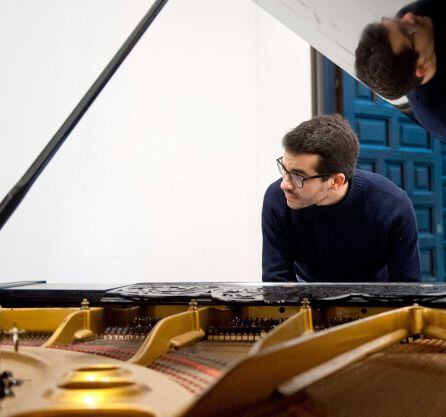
369	236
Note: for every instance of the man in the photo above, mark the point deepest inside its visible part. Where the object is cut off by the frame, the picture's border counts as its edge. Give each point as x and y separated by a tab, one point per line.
326	221
407	56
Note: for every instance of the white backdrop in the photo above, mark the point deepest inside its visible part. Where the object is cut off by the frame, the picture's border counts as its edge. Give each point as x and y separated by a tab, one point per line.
163	178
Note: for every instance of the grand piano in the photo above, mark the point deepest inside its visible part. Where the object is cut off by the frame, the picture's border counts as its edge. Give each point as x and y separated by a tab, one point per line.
216	349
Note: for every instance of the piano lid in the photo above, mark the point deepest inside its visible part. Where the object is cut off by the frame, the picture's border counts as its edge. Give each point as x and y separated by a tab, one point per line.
332	27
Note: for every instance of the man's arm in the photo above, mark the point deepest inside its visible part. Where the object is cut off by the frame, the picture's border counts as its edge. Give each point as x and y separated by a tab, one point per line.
422	8
429	111
277	259
404	256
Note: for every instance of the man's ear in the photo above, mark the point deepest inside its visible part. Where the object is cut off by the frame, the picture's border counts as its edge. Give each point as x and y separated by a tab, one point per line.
338	180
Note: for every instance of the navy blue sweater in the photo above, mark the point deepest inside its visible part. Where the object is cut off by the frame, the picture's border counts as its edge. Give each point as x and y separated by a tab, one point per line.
370	235
428	101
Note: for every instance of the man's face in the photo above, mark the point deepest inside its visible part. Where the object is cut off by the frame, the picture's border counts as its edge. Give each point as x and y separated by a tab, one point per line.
314	191
411	32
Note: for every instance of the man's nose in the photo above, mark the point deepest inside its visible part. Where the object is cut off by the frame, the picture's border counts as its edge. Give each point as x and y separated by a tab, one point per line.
286	184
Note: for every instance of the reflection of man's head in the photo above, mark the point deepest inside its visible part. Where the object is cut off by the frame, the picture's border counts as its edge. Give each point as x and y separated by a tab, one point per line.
397	55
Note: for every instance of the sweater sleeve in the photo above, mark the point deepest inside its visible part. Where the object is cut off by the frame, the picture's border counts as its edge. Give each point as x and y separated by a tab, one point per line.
277	259
403	255
429	112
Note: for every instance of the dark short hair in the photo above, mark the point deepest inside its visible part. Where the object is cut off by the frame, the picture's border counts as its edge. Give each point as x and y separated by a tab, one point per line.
330	137
390	75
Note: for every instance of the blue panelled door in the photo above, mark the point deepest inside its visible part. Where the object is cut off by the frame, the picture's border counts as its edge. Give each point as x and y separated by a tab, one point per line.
394	146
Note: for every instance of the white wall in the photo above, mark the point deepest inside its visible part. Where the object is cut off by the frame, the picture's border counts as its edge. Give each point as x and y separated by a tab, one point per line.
163	178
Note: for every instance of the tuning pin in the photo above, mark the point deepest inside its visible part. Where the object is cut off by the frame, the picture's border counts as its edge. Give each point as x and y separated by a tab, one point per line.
6	375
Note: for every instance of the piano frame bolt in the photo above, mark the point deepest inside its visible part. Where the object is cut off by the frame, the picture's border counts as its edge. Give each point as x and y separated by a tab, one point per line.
85	305
305	303
193	305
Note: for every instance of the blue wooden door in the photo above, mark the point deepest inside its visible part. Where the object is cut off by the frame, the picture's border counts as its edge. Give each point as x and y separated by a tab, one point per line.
394	146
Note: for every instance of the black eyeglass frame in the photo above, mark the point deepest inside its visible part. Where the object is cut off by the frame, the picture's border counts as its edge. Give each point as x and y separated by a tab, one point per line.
297	179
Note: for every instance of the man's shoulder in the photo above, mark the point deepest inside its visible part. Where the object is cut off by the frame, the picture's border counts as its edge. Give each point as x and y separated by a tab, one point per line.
428	102
274	192
274	202
378	187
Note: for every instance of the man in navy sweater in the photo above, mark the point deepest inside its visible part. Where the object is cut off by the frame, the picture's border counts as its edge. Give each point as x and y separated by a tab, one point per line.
407	56
326	221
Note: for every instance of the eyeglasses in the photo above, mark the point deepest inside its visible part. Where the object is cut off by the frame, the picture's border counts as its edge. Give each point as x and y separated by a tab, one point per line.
296	179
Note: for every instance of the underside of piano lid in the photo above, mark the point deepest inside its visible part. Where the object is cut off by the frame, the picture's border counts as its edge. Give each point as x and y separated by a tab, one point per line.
331	27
